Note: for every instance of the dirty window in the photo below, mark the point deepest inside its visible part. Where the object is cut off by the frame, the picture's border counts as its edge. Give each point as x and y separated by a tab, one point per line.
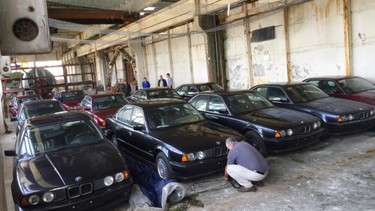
263	34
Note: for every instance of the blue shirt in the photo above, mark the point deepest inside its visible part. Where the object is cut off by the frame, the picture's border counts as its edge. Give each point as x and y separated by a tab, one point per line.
247	156
145	84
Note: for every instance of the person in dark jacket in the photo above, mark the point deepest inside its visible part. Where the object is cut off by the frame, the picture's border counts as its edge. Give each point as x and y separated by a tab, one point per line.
126	88
162	82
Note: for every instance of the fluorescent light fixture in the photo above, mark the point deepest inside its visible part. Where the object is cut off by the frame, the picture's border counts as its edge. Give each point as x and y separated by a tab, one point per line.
142	13
149	9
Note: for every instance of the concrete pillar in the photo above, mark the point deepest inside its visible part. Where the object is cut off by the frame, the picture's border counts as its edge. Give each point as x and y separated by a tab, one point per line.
141	60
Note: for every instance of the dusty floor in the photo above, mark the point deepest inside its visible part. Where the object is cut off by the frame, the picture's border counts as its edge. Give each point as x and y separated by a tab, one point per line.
336	174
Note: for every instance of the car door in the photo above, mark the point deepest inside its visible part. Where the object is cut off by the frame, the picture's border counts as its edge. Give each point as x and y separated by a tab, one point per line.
182	91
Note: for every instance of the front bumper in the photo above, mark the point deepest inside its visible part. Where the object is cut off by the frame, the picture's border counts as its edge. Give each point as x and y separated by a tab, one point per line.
350	127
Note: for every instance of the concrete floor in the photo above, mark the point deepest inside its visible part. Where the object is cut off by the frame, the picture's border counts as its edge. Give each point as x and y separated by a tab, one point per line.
336	174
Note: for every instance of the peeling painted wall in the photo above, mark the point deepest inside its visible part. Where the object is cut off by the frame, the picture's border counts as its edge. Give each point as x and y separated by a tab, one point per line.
363	36
316	36
236	62
269	57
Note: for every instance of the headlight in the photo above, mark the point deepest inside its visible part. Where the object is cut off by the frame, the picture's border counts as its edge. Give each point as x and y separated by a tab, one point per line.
34	199
315	125
119	177
319	124
108	180
289	132
48	197
191	157
350	117
282	133
201	155
371	112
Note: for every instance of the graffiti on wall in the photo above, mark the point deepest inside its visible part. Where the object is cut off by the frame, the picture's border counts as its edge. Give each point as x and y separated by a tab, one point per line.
299	73
238	77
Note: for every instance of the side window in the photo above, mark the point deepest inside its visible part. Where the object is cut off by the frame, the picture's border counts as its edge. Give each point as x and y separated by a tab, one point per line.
327	86
200	102
217	105
86	102
262	91
275	94
192	90
182	90
143	95
137	95
314	82
137	117
125	115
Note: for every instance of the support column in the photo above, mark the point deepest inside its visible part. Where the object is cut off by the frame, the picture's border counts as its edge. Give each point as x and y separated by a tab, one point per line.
287	43
140	58
248	46
170	54
348	37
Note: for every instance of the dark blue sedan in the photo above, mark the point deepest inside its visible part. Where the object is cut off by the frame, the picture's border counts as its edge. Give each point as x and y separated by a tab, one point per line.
267	127
340	116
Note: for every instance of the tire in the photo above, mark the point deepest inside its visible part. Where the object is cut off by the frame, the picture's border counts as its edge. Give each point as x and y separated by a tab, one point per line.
163	167
256	141
114	141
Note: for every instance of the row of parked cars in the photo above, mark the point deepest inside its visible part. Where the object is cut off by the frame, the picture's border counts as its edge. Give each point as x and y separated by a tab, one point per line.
73	159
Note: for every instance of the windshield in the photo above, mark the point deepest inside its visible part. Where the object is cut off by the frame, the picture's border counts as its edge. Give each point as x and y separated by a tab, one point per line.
59	136
172	115
210	87
111	101
247	102
353	85
163	93
43	108
73	95
304	92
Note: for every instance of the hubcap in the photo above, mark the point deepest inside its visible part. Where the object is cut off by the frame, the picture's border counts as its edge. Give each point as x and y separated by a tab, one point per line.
162	169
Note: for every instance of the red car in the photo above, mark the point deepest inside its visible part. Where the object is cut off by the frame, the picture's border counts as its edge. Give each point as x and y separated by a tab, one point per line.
347	87
70	98
99	106
17	101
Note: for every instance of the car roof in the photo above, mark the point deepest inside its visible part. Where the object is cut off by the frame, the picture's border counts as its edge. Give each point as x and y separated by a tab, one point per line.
198	84
28	96
228	93
57	117
94	96
283	84
33	102
75	90
156	88
334	77
157	102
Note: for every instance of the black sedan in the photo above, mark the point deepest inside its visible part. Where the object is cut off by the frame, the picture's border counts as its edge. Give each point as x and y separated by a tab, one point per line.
171	135
187	91
267	127
340	116
63	161
36	108
153	93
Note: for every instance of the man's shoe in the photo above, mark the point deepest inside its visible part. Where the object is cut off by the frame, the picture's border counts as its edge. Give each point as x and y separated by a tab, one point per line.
234	183
243	189
258	183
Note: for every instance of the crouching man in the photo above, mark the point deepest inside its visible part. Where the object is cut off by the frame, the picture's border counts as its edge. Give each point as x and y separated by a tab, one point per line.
245	165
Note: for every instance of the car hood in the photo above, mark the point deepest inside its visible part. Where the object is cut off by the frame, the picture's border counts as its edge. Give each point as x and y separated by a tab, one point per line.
196	136
60	168
278	118
365	96
335	105
106	112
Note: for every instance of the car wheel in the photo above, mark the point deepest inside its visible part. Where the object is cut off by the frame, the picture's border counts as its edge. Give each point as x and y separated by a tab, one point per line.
163	167
114	140
255	140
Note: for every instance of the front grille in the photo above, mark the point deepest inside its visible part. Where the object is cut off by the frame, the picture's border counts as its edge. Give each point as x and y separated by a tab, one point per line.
81	190
217	152
362	115
305	129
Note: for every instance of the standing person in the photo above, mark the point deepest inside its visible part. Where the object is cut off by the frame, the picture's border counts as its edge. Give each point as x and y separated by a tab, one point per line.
126	88
245	165
99	87
145	83
169	81
162	82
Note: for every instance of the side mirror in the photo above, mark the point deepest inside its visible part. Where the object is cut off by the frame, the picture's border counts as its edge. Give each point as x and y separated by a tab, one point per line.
138	127
10	152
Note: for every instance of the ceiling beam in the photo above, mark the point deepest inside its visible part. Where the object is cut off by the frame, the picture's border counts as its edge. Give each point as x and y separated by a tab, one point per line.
91	16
